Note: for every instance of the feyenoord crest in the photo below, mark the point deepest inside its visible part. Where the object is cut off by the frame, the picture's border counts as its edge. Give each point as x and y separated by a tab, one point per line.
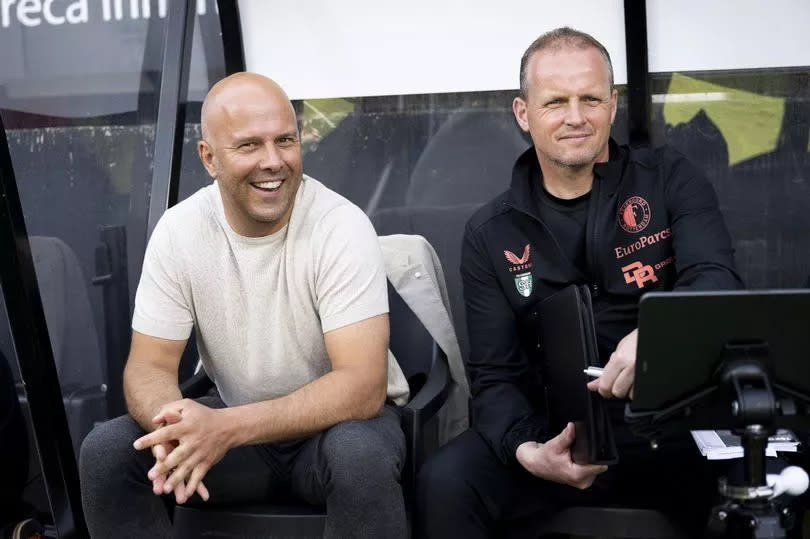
523	282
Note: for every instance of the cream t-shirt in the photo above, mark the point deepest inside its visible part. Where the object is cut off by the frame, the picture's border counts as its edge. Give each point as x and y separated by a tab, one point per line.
260	306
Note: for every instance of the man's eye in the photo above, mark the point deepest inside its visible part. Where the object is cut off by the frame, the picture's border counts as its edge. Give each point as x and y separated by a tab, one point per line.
247	145
286	141
593	100
554	103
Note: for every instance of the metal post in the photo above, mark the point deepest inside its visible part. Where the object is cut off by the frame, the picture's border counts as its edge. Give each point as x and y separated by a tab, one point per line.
638	85
232	44
171	109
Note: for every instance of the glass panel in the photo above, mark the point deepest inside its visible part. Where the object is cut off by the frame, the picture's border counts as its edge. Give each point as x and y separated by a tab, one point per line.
75	176
81	136
417	151
748	130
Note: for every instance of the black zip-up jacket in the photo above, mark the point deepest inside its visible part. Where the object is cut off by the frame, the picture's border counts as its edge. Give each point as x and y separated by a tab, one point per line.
653	224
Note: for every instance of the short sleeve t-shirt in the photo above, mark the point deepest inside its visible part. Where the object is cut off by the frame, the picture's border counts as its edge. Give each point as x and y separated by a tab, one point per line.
260	306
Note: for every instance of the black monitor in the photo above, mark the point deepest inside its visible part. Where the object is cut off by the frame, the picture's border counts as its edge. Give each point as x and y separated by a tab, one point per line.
685	336
731	360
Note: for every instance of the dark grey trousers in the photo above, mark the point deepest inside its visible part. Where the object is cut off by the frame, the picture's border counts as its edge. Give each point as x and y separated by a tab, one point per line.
352	469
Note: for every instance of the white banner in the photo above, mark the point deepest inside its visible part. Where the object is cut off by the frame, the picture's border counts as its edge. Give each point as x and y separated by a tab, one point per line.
348	48
698	35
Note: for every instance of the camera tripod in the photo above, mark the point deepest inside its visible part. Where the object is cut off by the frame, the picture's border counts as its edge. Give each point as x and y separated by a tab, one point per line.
754	508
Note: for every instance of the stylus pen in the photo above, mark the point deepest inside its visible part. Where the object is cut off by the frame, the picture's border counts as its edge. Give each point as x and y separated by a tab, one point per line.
593	372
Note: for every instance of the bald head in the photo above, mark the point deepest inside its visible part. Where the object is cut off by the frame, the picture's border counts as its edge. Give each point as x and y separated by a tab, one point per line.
235	91
251	148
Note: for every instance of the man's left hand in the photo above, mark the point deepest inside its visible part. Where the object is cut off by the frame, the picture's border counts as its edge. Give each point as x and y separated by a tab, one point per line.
619	373
203	437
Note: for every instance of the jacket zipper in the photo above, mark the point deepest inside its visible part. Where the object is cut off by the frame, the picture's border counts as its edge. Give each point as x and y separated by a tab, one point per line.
590	238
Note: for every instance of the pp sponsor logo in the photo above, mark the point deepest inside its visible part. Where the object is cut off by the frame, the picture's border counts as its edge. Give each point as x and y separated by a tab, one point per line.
634	214
639	273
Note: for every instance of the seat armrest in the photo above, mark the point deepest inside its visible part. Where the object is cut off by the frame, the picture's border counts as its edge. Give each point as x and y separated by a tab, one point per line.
433	394
196	386
422	439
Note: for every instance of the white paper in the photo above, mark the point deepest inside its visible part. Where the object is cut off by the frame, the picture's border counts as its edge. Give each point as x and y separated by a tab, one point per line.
721	445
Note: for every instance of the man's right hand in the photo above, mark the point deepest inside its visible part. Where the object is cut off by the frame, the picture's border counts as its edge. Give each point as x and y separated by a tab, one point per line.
160	452
552	461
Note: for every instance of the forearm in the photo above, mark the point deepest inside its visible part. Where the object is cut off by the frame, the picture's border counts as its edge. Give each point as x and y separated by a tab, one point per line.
708	277
505	419
146	388
335	397
703	250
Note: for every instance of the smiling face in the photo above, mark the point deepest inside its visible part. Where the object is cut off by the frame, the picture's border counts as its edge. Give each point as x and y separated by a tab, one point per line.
251	148
569	107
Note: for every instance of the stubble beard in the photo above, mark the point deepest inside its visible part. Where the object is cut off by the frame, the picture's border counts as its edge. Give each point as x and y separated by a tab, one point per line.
284	205
240	203
577	163
574	164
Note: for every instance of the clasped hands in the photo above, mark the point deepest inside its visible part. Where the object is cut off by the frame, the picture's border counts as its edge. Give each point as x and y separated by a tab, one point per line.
189	439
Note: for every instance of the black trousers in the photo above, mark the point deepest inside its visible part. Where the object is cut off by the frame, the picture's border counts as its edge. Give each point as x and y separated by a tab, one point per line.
466	491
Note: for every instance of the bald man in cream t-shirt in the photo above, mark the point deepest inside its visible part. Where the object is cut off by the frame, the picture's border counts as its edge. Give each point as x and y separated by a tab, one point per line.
283	282
262	305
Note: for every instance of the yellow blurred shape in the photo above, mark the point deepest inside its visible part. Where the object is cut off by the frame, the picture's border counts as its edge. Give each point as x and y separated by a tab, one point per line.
321	116
749	122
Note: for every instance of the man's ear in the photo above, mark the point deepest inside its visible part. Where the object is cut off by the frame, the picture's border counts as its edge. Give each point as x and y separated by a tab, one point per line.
614	104
206	153
519	109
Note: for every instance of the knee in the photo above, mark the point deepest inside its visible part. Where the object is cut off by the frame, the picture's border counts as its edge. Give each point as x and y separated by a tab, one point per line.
361	458
107	449
447	502
443	477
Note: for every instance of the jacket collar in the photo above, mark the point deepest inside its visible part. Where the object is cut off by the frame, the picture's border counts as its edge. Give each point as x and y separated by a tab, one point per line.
526	173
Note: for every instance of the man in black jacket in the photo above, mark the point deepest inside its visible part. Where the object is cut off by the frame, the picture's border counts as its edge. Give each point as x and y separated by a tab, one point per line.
581	209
